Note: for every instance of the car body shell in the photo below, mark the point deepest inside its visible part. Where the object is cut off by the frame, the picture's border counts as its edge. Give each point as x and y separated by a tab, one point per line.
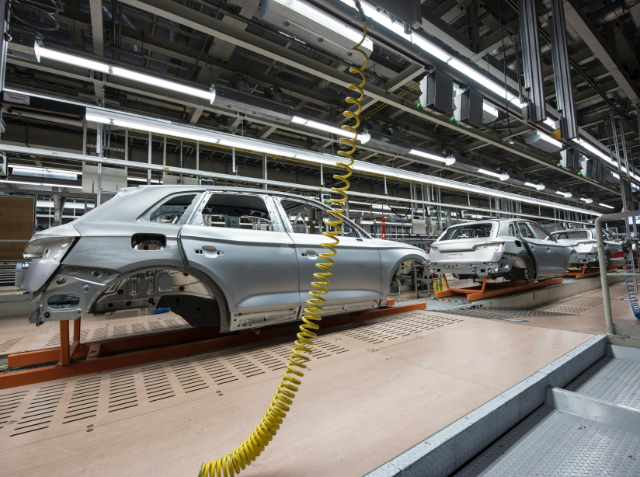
229	277
585	246
500	254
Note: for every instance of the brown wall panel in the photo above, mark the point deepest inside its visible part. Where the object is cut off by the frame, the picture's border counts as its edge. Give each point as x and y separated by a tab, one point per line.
16	217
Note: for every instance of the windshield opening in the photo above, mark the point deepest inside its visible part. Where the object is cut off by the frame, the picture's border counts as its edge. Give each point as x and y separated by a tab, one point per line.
472	231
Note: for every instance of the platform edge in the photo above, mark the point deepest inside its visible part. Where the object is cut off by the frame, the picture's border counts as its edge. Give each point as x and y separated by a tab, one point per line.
449	449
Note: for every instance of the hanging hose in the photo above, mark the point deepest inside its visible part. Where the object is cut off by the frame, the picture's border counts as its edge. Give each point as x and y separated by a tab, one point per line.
633	299
250	449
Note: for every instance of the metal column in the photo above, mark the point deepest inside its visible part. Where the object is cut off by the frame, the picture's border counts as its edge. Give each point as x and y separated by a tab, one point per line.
149	159
264	170
99	154
562	71
537	110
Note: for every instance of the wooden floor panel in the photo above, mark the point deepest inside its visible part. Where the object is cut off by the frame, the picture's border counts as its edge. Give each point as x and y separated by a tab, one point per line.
373	391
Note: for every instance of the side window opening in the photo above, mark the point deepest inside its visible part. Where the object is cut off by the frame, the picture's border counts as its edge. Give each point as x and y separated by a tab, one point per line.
237	211
512	230
540	233
304	218
174	209
525	231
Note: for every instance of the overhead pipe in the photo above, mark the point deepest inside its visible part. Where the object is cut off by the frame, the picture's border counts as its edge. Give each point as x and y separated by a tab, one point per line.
608	14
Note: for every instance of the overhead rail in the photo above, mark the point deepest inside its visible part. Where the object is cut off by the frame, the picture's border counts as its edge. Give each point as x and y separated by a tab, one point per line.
285	185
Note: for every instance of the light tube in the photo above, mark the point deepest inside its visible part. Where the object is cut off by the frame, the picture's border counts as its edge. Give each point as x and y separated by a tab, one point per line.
44	173
607	206
588	201
535	186
326	21
321	126
165	84
501	176
41	184
128	74
67	205
616	175
550	122
448	160
74	60
566	195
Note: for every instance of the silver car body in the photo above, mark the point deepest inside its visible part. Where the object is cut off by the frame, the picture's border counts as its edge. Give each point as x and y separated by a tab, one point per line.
499	248
161	246
585	247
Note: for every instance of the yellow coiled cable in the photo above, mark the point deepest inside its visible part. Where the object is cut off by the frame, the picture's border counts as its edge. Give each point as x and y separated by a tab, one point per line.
250	449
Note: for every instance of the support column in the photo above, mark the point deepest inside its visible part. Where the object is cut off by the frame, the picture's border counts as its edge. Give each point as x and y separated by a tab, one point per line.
150	152
264	170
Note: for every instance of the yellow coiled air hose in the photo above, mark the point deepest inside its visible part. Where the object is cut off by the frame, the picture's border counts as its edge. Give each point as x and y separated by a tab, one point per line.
249	450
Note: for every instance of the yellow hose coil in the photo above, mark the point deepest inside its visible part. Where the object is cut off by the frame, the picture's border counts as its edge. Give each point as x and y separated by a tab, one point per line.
249	450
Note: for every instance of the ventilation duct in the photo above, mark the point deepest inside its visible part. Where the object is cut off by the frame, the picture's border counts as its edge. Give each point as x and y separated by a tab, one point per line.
469	108
274	94
240	83
385	143
562	72
233	99
437	92
536	110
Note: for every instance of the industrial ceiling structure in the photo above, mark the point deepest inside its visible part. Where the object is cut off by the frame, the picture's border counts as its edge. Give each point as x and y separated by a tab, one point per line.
276	73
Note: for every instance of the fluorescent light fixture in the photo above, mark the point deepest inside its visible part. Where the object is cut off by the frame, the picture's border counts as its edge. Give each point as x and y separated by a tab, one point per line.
535	186
138	179
616	175
566	195
255	145
588	201
605	205
128	74
165	84
550	122
322	127
67	205
493	111
427	155
499	175
431	49
74	60
550	140
43	173
326	21
41	184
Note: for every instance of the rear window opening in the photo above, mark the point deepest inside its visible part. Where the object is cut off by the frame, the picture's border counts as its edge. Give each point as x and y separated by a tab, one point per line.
472	231
574	234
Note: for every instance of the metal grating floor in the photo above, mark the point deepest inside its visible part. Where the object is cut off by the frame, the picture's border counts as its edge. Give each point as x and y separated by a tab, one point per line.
586	301
581	440
82	402
553	443
617	381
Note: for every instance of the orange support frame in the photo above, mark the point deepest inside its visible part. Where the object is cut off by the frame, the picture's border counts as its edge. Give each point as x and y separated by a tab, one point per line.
176	344
588	272
489	290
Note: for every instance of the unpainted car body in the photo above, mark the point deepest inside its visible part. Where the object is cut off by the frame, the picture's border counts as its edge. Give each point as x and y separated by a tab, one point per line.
585	247
217	256
512	248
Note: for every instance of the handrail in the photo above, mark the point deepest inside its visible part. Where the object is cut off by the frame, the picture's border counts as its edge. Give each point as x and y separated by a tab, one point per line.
602	260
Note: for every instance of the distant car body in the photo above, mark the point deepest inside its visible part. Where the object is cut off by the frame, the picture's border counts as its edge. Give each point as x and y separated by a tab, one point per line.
516	249
229	257
585	248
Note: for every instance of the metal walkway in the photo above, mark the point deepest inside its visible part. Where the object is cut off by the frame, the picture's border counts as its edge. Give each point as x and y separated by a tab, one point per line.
591	428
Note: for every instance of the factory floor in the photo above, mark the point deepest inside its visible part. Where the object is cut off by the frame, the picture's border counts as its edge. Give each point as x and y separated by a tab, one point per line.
374	390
